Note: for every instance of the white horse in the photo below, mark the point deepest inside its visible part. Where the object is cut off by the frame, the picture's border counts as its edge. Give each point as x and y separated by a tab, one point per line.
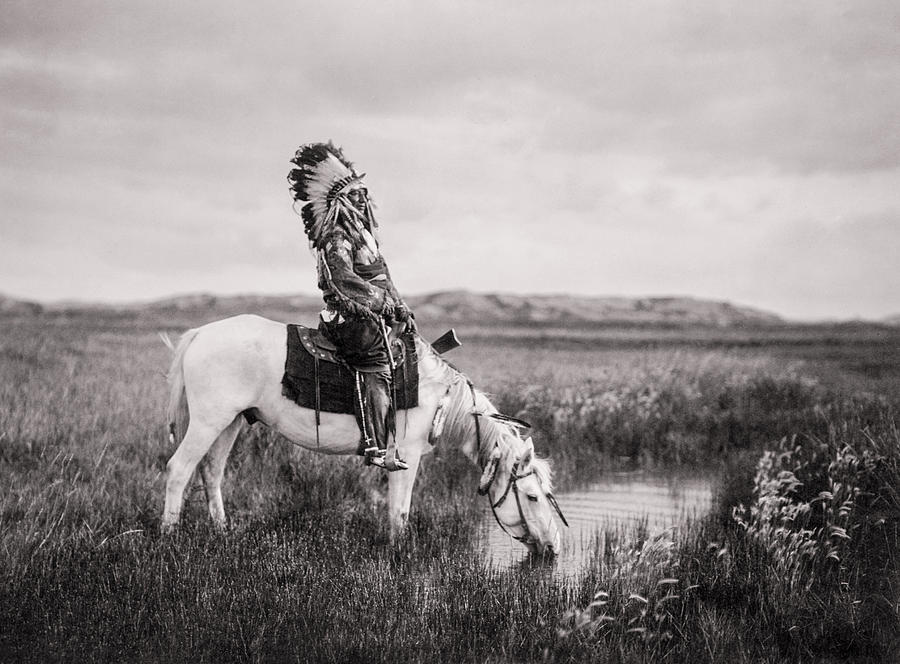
229	366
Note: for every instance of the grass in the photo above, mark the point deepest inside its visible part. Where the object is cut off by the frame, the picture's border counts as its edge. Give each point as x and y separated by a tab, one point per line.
676	405
805	571
305	573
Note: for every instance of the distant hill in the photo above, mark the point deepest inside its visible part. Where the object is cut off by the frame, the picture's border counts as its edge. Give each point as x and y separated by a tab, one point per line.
234	304
452	306
9	305
568	309
891	320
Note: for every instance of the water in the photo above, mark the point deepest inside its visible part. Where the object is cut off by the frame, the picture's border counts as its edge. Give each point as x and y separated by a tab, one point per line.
615	501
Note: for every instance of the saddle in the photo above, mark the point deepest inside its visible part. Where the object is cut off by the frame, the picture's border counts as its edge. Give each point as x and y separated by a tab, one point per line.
316	377
319	346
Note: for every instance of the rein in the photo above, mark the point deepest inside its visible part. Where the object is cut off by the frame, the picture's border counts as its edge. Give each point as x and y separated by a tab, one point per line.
510	485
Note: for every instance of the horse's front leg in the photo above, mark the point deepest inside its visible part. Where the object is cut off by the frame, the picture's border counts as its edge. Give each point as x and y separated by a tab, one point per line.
400	487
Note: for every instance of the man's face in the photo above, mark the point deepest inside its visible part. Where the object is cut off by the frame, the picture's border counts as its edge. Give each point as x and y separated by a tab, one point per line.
358	197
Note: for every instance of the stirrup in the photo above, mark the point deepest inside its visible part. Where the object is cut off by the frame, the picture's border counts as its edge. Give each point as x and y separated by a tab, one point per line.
389	465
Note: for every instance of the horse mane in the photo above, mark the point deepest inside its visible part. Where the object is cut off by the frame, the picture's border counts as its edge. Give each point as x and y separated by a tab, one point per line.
459	422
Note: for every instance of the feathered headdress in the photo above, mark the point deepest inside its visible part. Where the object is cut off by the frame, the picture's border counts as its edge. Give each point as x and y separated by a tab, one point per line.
322	178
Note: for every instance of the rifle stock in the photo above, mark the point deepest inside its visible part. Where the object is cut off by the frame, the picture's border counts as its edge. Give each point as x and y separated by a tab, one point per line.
447	341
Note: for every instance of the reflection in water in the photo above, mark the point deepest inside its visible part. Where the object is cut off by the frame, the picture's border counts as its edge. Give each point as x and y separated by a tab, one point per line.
617	500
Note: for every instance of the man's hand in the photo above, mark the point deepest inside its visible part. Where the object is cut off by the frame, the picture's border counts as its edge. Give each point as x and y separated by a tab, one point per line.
401	313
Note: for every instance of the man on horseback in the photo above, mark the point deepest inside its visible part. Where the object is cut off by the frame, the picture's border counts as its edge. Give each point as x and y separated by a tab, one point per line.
362	306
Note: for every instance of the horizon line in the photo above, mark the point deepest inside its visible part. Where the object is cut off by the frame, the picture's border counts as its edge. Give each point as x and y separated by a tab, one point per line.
315	295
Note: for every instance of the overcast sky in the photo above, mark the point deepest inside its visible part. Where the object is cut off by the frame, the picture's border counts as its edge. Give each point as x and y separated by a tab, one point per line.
746	151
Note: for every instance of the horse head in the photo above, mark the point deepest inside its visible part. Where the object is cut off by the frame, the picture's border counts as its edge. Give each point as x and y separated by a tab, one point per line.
518	485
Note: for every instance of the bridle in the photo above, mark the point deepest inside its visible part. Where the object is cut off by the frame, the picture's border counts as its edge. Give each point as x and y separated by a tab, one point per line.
511	484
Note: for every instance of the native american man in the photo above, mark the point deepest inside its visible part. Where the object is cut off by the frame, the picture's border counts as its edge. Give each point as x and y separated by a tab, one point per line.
361	303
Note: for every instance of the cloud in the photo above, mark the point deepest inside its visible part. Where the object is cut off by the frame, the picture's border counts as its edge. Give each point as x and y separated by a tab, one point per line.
640	147
849	267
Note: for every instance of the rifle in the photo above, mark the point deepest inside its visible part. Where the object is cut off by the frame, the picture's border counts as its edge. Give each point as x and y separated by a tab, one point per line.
447	341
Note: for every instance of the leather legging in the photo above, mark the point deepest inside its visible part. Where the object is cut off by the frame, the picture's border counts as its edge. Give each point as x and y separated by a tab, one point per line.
360	342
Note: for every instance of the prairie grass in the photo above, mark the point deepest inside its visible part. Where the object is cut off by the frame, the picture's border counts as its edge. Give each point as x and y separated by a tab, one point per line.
666	406
808	571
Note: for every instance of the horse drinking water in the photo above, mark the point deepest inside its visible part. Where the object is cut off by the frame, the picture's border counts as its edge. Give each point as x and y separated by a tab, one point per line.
230	366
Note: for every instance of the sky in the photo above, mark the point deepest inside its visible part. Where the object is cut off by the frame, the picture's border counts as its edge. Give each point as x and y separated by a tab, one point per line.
740	151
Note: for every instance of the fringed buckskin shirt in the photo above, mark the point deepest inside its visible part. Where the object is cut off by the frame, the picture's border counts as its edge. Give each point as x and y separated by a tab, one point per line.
353	276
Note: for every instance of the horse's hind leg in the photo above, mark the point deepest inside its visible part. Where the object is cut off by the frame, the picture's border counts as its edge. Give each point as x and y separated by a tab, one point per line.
212	469
198	439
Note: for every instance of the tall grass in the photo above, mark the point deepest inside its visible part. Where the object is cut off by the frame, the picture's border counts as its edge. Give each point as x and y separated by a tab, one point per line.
305	573
806	571
673	407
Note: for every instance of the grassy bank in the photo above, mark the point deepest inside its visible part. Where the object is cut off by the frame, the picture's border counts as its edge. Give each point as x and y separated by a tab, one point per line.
675	406
807	571
804	568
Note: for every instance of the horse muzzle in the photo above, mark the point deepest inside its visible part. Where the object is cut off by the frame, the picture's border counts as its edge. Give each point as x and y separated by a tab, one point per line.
547	549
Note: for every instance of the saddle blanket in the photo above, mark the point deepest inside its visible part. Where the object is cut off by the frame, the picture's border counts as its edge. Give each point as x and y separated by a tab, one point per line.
311	377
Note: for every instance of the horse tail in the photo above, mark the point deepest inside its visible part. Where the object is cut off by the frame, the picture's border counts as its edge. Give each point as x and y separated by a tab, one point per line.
177	413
